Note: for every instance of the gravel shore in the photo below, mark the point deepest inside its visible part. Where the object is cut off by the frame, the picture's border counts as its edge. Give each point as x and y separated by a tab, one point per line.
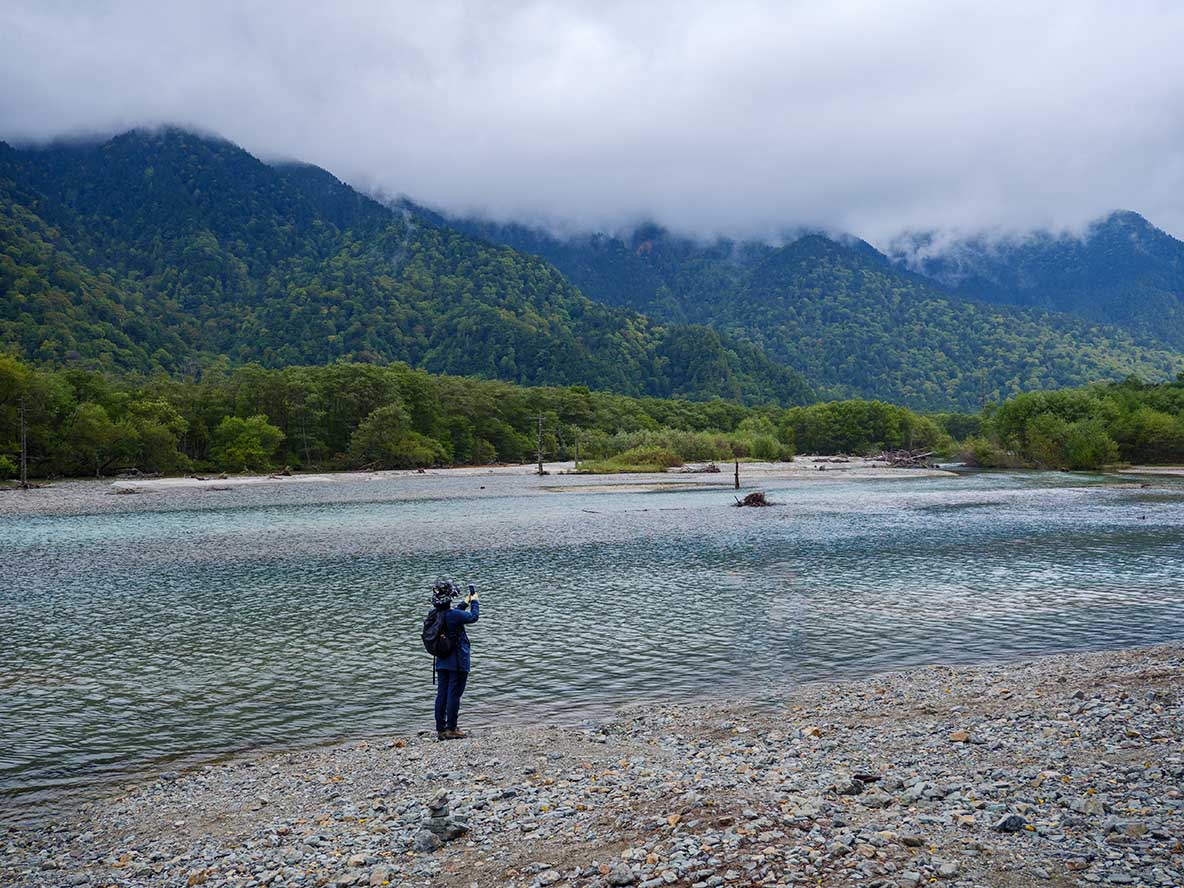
1065	770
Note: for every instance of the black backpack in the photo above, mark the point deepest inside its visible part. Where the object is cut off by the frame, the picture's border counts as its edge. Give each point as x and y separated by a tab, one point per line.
435	634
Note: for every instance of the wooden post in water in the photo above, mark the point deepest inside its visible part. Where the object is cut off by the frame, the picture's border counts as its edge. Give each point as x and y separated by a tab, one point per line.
737	473
24	448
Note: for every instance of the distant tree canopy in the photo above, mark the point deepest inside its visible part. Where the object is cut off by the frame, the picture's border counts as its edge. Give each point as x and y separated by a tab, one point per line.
342	416
363	415
1130	421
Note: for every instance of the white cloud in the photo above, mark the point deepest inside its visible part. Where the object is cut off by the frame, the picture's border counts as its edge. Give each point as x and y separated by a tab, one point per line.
741	118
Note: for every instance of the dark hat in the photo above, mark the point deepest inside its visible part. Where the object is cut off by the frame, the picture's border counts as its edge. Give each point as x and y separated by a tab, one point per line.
443	592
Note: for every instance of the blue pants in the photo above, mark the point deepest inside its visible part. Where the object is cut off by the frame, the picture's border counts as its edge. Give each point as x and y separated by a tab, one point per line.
450	684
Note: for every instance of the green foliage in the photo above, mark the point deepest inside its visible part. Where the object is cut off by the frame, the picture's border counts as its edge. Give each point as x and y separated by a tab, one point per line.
1122	270
248	443
348	416
693	445
960	426
861	427
985	453
1089	445
1088	428
8	468
92	436
636	459
845	317
353	415
167	251
385	440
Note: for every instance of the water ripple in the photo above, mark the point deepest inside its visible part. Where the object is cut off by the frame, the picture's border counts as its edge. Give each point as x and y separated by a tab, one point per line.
180	626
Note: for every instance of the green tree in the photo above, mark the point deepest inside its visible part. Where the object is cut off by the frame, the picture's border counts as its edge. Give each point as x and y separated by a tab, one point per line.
385	440
93	437
1088	445
246	444
149	435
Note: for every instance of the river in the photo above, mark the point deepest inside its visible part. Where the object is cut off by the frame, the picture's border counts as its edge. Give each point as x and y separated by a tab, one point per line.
172	627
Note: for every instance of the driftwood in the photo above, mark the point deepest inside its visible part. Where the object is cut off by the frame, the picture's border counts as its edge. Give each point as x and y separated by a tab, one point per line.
756	498
709	469
907	459
135	472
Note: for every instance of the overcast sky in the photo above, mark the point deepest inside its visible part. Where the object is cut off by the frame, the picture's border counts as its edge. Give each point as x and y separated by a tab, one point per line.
731	117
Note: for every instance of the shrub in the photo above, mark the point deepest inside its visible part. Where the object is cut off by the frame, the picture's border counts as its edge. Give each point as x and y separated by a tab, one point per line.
983	453
648	456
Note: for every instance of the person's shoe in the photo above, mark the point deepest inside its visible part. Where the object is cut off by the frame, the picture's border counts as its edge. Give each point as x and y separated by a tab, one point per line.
441	735
454	734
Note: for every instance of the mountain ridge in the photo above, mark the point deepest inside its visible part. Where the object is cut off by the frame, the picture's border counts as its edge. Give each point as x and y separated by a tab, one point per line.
843	313
1121	270
166	249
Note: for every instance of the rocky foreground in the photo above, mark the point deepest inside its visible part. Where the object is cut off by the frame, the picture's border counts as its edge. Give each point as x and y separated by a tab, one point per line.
1059	771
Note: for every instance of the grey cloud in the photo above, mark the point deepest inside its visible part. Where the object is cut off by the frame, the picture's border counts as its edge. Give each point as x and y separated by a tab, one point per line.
739	118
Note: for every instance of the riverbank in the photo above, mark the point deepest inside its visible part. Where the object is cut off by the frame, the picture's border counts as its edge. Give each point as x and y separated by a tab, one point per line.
750	473
1063	770
91	495
1171	471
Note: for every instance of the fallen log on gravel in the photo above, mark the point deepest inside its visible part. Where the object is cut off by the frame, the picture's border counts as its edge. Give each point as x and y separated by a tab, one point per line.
907	459
756	498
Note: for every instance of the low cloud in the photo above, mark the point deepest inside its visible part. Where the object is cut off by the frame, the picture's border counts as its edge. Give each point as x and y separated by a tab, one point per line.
743	118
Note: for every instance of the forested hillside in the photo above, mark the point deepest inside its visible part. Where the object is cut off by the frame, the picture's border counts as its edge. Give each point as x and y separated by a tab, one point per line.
165	250
840	312
1122	270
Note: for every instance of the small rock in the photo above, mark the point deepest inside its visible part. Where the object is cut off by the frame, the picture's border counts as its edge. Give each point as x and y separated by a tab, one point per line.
849	786
946	869
1009	823
426	840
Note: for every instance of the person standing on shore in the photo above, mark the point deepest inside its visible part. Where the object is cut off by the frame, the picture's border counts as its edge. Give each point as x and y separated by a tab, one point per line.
452	670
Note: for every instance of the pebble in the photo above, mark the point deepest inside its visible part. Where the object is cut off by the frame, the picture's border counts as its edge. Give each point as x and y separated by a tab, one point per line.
1065	770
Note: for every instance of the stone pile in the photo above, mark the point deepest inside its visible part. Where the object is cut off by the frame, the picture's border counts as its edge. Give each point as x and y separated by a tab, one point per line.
439	826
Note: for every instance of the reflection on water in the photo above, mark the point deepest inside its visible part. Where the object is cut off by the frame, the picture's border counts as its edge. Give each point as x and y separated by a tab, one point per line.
142	629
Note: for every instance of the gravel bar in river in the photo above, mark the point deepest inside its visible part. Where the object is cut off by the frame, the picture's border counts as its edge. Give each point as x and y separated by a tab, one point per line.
1065	770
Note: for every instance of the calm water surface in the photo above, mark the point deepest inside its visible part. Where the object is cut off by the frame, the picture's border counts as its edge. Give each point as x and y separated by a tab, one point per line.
166	627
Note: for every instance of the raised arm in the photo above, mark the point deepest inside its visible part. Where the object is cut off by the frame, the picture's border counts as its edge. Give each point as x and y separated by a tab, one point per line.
470	615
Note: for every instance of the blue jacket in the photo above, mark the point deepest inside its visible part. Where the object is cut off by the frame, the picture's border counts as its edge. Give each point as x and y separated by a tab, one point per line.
455	620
